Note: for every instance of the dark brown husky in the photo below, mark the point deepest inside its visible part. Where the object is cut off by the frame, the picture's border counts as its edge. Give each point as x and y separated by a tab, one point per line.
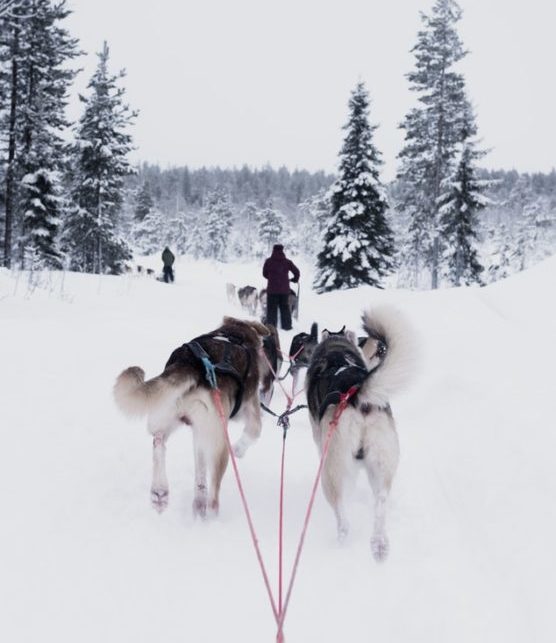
181	394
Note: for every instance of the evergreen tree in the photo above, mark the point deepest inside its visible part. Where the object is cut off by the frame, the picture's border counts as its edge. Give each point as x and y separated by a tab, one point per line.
500	255
315	213
45	53
38	49
186	185
179	231
246	232
100	163
150	234
195	245
144	202
462	199
12	86
42	218
218	224
524	211
432	130
358	242
271	226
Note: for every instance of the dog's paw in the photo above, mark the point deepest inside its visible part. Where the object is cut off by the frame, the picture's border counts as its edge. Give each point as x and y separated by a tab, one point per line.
159	499
240	447
380	547
200	507
213	509
343	532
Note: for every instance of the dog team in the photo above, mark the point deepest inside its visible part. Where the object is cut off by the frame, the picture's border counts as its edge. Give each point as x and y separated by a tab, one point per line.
246	357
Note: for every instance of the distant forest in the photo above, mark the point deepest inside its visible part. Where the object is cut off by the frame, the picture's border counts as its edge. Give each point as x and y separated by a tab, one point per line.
180	187
517	227
70	198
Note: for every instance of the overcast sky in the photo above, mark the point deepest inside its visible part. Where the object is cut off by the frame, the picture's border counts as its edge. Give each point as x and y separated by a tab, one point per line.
228	82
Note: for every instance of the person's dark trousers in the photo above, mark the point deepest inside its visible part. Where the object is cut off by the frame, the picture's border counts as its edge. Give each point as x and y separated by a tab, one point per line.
273	302
168	274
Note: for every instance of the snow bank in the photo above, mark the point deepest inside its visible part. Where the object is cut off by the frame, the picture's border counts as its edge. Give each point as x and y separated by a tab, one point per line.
472	517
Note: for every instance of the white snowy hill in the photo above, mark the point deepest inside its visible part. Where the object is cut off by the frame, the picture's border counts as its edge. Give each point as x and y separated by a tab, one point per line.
471	517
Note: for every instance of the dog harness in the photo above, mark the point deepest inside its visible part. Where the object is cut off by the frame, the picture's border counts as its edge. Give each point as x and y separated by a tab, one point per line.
342	372
224	366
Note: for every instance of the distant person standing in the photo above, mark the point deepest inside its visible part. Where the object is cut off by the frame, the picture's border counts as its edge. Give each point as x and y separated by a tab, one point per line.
276	269
168	261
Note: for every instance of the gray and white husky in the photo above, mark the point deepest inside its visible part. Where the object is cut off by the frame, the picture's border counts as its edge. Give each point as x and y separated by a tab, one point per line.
366	436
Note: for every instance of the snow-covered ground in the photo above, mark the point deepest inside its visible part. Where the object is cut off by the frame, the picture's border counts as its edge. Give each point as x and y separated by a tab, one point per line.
472	514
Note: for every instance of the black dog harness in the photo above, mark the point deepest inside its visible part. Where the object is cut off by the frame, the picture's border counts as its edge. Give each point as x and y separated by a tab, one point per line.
224	366
342	372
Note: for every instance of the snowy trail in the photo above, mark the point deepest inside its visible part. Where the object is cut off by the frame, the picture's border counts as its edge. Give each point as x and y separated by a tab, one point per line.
472	515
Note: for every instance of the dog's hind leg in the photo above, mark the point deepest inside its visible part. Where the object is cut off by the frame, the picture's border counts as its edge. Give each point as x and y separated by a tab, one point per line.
334	479
200	493
267	388
253	425
381	463
219	464
295	378
159	487
379	540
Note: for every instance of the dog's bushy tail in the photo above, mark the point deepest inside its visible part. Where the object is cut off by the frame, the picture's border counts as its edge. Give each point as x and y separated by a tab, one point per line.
135	397
400	363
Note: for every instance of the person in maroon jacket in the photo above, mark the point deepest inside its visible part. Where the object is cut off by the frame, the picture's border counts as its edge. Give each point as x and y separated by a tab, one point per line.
276	269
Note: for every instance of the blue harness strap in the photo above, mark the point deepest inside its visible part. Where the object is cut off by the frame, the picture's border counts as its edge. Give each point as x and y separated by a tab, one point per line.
224	367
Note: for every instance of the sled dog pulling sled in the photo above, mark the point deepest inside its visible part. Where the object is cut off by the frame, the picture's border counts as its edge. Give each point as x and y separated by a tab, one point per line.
348	387
180	395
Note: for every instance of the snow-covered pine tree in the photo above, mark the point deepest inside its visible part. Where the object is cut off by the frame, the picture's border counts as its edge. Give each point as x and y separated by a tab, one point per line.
179	228
315	213
358	245
143	202
45	54
147	222
248	227
218	225
37	50
195	245
150	234
542	231
271	226
11	88
458	206
99	165
432	130
500	253
524	212
41	195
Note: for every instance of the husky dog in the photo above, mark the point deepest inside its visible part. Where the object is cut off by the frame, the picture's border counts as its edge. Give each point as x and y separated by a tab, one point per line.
181	395
360	340
301	351
248	298
366	434
231	293
262	302
272	363
294	304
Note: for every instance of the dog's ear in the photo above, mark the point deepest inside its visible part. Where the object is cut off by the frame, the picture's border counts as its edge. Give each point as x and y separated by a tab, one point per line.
314	332
351	336
259	328
325	334
230	320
